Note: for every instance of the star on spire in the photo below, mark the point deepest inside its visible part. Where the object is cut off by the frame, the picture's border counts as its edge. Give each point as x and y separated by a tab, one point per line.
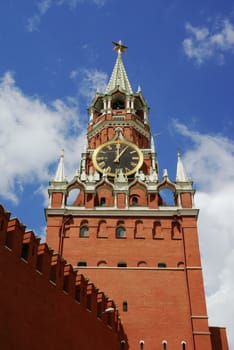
118	46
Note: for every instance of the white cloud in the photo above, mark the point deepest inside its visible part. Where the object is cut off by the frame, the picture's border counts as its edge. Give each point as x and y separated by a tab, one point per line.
90	81
32	135
210	165
43	7
204	43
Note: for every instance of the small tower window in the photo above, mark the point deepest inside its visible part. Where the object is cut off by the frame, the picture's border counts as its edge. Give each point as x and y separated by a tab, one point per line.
102	201
164	344
134	201
122	345
122	264
84	231
162	265
183	345
118	104
125	306
82	263
120	232
141	344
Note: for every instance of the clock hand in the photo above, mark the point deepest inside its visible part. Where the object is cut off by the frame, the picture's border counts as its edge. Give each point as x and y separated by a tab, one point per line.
116	160
117	151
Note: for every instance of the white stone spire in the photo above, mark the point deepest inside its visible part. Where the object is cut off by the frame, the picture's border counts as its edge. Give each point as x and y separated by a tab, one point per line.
180	172
59	176
119	76
152	144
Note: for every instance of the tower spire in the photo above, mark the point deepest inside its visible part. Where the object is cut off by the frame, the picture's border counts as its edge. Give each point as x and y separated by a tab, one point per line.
59	176
180	172
119	76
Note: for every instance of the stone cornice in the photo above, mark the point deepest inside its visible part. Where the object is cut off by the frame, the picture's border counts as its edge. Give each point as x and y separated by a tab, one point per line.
131	211
97	127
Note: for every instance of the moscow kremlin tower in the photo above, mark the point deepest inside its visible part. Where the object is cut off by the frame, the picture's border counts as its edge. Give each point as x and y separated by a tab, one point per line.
121	233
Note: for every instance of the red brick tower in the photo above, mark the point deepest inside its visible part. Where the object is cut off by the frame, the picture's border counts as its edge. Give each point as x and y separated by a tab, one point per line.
137	247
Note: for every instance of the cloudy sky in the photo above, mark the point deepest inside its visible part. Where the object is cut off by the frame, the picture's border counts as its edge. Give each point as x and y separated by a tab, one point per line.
56	53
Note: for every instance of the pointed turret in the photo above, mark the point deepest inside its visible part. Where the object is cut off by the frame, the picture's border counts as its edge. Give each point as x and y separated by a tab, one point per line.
180	172
59	176
119	76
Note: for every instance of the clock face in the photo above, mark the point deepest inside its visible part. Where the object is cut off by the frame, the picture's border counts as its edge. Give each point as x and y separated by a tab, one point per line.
115	155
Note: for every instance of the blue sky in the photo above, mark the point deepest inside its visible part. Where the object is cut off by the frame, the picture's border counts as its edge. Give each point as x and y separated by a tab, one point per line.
56	53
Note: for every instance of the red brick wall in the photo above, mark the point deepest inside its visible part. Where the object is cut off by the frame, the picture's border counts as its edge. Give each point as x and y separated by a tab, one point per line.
38	306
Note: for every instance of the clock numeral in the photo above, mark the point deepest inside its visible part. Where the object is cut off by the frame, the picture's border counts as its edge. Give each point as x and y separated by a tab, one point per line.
135	158
102	164
109	147
131	152
100	158
127	170
133	164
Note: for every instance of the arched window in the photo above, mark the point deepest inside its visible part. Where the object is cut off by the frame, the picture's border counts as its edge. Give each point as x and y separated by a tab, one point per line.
82	263
72	196
183	343
84	231
162	265
125	306
120	232
167	197
164	344
134	201
123	345
141	344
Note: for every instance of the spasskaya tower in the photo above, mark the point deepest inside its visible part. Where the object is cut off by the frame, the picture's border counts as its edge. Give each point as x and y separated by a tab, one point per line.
120	230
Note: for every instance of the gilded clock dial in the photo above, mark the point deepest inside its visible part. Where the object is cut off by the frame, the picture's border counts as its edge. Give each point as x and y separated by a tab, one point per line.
115	155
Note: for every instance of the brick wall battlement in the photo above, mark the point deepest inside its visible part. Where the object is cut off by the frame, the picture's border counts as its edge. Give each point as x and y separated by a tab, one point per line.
46	291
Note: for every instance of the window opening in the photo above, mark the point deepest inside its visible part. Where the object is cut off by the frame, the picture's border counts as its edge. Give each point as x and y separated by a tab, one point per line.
72	196
120	232
134	201
142	344
82	263
183	345
102	201
162	265
118	105
122	345
122	264
125	306
84	231
164	343
167	197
